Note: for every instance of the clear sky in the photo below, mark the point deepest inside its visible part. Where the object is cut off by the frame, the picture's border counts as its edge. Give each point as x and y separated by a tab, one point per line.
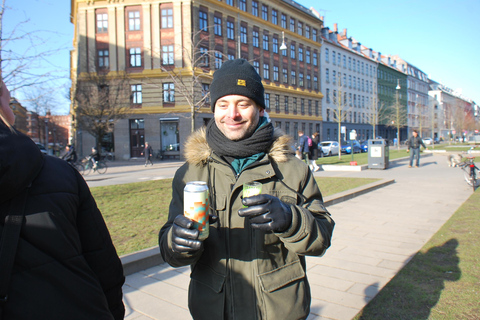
440	37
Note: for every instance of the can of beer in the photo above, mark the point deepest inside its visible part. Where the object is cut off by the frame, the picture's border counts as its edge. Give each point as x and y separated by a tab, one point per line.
196	206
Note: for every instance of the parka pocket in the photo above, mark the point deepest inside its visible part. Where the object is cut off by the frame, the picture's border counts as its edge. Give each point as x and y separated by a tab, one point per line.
206	292
286	294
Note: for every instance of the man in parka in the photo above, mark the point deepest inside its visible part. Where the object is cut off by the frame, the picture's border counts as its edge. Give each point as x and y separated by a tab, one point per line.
252	265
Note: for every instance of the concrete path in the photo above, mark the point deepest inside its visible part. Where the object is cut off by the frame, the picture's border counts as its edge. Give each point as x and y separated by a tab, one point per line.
375	235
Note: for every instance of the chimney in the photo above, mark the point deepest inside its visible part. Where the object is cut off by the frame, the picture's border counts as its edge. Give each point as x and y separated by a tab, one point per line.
345	32
333	36
325	31
359	47
350	43
379	57
335	27
370	53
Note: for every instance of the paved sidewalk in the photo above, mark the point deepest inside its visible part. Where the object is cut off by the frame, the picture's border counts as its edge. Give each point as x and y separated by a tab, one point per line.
375	235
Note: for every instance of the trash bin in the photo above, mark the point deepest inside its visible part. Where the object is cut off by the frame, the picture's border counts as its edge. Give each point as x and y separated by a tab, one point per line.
378	154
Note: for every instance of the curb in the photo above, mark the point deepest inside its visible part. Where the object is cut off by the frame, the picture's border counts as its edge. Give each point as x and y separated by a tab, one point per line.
150	257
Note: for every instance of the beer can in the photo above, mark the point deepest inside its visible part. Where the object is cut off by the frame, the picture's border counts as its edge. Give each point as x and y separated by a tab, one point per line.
196	206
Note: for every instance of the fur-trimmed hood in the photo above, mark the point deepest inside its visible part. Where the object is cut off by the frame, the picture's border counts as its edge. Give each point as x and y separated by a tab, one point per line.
197	150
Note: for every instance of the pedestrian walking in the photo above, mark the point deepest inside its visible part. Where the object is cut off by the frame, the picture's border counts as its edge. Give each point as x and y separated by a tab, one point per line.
252	264
148	153
314	152
303	146
413	145
57	259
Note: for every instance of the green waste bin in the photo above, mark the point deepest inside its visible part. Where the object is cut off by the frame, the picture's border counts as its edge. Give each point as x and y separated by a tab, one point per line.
378	154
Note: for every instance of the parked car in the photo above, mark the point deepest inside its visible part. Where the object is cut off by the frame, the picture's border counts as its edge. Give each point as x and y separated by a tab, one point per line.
364	145
42	148
427	141
347	146
329	148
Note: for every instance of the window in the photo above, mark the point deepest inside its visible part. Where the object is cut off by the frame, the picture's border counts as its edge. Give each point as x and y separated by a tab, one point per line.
230	57
349	63
344	61
333	58
229	2
266	71
274	16
242	5
286	104
315	59
309	109
300	28
167	55
327	95
334	76
300	79
309	82
264	12
317	110
267	101
314	35
102	23
218	59
205	90
135	57
326	55
307	56
293	77
292	51
243	34
265	42
217	28
315	83
134	20
344	80
327	75
277	103
203	21
275	45
285	75
168	92
294	105
292	24
284	21
103	61
275	73
255	8
204	57
287	127
167	18
255	38
256	65
230	30
300	54
136	93
350	81
307	31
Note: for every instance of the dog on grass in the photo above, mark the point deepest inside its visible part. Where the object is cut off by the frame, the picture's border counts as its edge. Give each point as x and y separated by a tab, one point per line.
454	160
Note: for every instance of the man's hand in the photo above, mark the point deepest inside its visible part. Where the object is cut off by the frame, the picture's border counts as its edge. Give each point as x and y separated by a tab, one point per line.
267	213
184	236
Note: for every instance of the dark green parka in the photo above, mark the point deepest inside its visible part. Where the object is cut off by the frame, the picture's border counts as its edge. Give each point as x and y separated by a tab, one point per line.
241	272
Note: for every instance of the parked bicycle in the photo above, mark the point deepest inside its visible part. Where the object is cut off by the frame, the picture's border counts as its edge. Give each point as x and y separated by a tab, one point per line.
90	165
470	171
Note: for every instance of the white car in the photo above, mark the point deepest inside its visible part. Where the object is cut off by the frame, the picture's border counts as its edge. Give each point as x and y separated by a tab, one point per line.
427	141
329	148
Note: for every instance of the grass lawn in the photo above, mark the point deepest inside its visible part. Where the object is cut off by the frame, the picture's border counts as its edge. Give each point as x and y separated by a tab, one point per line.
361	158
135	212
442	281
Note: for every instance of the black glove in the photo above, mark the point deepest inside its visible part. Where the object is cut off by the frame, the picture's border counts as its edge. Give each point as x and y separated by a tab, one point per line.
184	236
267	213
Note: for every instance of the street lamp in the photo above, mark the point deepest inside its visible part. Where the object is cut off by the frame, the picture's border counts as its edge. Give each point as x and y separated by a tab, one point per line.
284	45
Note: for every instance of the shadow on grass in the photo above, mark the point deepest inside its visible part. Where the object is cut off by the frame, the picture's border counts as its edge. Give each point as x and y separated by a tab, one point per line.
416	289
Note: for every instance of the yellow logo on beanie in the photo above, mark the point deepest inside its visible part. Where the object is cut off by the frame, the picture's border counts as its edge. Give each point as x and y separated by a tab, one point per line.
241	83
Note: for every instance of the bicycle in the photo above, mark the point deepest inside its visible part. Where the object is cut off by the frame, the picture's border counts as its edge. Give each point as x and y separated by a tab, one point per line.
470	172
100	167
78	166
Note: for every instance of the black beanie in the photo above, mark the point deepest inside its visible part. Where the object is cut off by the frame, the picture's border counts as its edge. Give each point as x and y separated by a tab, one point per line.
237	77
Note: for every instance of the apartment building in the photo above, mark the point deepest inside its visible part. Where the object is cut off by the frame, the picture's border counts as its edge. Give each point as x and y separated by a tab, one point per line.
349	83
419	111
169	51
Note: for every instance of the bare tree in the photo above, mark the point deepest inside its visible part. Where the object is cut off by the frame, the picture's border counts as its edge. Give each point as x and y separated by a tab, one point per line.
23	69
100	101
341	107
396	116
